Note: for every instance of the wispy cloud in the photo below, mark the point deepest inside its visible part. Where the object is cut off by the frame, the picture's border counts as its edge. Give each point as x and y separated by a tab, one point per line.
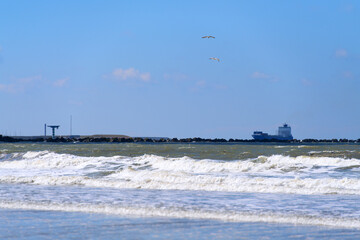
348	8
306	82
60	82
260	75
198	85
341	53
348	74
0	55
29	79
175	76
19	85
121	74
220	86
128	33
76	103
201	83
10	88
204	85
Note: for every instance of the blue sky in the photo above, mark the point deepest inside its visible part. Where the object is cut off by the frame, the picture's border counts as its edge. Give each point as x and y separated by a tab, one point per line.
142	68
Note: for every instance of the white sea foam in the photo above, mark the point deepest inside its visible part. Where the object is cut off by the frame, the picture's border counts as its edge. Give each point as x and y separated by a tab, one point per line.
164	180
273	174
180	213
48	160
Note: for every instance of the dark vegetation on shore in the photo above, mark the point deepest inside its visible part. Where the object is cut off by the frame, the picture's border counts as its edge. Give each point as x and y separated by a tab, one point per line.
166	140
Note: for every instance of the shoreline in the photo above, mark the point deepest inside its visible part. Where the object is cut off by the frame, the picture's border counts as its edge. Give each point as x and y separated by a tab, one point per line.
32	224
126	139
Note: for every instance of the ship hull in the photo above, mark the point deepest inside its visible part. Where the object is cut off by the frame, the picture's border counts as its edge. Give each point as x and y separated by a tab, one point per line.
272	137
284	134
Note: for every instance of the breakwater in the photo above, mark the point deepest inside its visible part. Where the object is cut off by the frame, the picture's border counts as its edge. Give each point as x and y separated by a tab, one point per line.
126	139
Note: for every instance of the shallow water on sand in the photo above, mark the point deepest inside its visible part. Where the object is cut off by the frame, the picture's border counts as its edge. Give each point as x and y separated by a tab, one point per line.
31	224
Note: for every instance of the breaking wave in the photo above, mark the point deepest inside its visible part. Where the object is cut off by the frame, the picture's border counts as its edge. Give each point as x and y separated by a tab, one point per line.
265	174
181	213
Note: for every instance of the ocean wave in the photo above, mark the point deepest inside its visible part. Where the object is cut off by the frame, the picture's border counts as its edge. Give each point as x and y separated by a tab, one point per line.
173	212
48	160
265	174
181	181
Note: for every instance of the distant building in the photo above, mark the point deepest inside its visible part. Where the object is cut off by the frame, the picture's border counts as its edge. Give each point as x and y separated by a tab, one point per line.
284	133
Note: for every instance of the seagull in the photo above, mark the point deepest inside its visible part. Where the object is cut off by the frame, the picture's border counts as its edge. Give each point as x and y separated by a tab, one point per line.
207	37
212	58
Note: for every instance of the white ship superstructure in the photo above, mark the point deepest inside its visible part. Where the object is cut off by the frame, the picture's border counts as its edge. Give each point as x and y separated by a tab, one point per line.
284	134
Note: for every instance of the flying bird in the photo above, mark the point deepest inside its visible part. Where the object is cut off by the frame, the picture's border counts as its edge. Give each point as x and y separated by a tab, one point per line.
212	58
207	37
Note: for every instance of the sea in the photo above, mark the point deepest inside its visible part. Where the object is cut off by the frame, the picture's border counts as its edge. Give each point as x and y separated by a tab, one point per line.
179	191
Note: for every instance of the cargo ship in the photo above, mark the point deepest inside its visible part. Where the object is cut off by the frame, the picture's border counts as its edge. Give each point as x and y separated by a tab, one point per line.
284	134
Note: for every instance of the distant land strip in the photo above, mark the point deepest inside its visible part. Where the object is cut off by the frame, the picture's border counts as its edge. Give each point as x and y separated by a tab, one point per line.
127	139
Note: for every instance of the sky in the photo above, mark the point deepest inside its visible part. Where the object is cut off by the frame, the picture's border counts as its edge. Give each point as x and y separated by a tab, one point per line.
141	68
